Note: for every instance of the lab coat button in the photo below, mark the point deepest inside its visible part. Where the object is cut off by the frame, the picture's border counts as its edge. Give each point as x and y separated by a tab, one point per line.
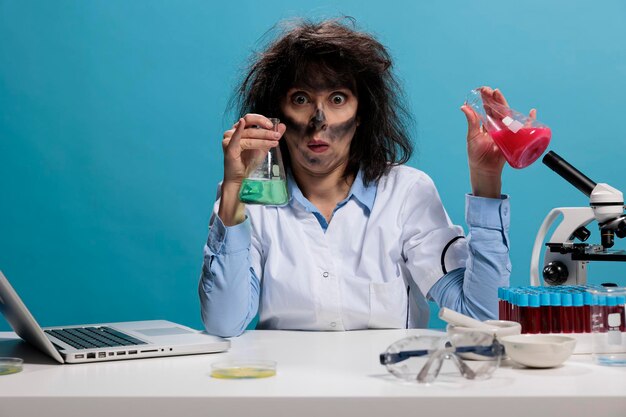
333	324
325	274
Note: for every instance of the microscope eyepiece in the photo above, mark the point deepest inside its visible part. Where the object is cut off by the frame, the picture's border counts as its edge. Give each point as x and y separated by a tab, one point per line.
569	173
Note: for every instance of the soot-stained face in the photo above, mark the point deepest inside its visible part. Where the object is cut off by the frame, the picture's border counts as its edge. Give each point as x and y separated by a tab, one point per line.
321	119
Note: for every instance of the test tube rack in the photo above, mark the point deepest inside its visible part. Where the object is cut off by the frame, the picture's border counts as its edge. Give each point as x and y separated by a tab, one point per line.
570	309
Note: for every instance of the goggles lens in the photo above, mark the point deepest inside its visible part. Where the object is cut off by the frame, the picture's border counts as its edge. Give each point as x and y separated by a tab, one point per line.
474	355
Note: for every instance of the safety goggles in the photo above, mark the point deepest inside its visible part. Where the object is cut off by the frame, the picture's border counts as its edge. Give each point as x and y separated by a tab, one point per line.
475	355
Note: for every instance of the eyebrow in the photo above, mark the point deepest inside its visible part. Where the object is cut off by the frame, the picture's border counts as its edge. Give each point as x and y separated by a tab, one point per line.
296	89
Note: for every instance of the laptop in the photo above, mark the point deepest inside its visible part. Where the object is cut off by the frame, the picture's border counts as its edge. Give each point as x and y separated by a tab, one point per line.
107	341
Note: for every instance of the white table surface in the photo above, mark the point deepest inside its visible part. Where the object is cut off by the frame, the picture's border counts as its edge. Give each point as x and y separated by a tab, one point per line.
319	373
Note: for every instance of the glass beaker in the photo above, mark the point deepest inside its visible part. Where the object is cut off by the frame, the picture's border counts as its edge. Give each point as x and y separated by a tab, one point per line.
521	139
608	325
266	183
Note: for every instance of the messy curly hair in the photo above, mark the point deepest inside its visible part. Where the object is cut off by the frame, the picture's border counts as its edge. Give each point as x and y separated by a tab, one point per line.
339	53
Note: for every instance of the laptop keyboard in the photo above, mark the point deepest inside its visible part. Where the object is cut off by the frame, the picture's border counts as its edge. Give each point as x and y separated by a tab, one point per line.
94	337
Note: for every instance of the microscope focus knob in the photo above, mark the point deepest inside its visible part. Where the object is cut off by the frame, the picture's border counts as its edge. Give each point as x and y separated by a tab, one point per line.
582	233
555	273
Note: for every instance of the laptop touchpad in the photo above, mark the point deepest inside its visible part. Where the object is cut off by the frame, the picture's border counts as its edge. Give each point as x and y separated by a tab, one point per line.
164	331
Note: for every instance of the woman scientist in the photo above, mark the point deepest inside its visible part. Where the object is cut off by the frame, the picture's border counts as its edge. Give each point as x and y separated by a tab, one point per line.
364	240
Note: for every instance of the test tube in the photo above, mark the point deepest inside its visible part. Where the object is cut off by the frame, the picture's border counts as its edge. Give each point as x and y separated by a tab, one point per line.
567	313
613	307
534	314
598	314
514	310
502	303
555	303
621	303
579	313
524	314
587	300
546	312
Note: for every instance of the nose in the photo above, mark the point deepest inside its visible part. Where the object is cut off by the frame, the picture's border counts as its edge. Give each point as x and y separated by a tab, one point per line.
318	121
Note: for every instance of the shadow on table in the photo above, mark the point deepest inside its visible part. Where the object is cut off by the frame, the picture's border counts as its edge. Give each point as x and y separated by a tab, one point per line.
20	349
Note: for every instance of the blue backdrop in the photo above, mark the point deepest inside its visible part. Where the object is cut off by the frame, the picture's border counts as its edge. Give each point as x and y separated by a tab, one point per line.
112	112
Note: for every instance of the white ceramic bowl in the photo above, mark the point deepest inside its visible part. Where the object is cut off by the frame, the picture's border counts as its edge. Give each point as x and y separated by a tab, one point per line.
539	350
499	328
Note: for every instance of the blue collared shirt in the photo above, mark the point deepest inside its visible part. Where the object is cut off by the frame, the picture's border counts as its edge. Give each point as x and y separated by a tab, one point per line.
362	194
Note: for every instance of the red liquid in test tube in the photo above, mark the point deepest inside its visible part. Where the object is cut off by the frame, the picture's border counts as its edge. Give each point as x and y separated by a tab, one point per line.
579	313
621	304
615	313
545	312
534	314
588	300
524	312
604	312
555	307
567	313
502	303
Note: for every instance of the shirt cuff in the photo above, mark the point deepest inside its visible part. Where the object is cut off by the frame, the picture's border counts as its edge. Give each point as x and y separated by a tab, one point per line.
229	239
489	213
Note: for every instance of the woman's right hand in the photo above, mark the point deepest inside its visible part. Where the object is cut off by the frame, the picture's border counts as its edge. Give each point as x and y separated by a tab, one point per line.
246	143
244	146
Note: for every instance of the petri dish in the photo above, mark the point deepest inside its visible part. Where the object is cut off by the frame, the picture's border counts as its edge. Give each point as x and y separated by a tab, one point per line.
10	366
243	369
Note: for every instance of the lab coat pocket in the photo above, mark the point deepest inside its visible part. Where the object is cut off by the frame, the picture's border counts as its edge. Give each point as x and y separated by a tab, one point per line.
388	304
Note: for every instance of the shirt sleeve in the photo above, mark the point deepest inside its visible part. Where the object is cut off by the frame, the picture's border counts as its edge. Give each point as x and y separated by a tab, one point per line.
229	287
472	290
431	244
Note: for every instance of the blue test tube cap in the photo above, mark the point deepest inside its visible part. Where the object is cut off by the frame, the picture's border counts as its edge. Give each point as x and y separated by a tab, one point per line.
503	293
588	298
566	299
577	299
533	300
601	300
555	299
545	299
523	300
621	300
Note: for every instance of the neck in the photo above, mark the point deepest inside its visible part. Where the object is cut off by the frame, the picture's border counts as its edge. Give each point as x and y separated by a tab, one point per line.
324	191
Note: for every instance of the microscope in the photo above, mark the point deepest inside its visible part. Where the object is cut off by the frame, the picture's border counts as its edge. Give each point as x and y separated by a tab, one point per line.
566	256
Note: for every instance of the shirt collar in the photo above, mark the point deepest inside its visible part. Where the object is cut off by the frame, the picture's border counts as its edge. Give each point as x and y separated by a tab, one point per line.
362	193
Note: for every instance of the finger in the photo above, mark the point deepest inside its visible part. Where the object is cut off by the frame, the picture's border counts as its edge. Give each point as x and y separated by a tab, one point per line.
473	122
499	97
229	133
235	138
253	119
246	144
282	128
533	114
261	134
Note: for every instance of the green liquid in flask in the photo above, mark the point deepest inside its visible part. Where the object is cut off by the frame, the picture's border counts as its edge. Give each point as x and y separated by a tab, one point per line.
271	192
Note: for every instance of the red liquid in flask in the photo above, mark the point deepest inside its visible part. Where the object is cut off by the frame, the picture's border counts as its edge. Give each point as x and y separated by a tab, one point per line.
523	147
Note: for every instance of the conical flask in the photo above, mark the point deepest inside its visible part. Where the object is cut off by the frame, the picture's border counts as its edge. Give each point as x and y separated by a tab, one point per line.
521	139
266	184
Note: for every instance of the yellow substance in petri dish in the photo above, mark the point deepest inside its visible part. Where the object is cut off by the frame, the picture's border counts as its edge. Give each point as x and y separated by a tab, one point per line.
242	373
6	370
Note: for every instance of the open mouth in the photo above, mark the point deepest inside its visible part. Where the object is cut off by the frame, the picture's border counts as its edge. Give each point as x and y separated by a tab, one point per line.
318	146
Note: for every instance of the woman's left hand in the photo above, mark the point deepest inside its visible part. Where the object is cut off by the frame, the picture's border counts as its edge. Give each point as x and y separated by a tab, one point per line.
486	161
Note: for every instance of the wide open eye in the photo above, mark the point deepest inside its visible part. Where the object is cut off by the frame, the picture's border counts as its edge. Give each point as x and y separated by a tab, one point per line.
299	98
338	99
